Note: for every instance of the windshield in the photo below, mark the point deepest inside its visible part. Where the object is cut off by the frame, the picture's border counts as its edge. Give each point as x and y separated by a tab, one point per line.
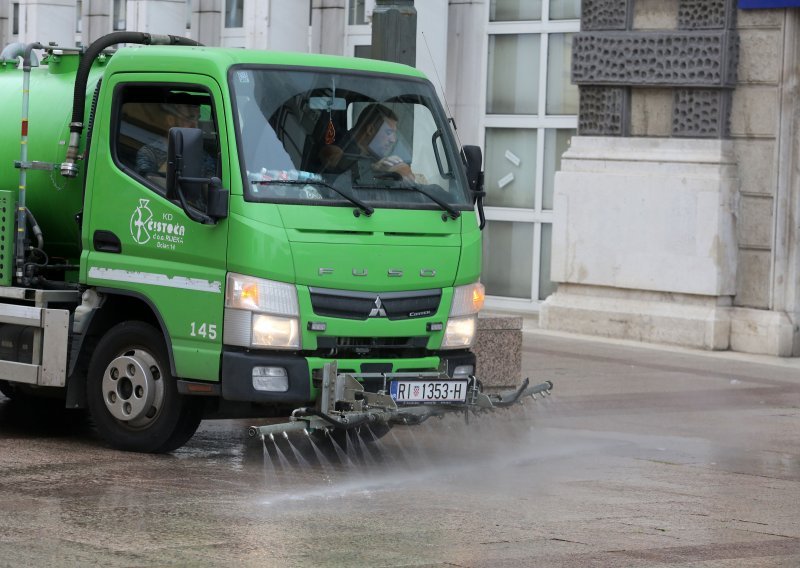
319	138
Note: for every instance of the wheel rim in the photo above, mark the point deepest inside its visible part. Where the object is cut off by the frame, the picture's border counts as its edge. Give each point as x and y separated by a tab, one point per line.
133	389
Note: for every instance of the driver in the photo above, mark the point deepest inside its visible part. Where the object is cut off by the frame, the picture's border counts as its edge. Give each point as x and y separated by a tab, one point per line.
374	136
151	159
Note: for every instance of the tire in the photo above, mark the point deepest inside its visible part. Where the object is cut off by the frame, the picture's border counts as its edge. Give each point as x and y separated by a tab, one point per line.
133	397
8	390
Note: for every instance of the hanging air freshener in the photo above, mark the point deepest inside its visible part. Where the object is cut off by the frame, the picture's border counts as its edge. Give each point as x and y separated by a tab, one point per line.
330	132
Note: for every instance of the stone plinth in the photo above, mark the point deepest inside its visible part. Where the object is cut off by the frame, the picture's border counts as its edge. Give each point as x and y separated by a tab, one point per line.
498	348
644	240
762	331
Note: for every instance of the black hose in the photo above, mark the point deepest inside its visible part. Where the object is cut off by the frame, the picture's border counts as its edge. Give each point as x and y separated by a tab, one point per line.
37	231
56	284
87	60
90	125
95	49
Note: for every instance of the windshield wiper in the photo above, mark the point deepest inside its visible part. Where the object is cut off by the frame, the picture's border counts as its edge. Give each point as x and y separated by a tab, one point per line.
362	207
452	212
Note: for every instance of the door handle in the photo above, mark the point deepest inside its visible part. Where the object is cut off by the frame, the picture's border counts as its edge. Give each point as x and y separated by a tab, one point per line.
106	241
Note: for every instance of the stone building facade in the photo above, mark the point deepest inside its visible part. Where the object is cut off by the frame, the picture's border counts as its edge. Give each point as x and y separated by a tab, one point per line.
678	205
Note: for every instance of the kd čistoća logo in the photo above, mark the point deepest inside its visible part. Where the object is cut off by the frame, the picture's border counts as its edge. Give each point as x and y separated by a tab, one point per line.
141	216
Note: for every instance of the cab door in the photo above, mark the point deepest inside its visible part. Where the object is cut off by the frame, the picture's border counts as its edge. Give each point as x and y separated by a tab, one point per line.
140	241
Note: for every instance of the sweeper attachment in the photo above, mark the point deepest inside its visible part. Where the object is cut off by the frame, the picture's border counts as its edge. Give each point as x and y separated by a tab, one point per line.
406	398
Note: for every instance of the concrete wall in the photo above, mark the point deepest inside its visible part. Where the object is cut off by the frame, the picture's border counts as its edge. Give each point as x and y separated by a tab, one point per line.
644	240
5	24
755	128
96	20
207	21
614	259
465	53
328	24
157	16
432	38
276	24
47	21
755	125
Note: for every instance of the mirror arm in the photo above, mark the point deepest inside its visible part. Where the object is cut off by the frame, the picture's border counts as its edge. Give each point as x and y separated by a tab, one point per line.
190	211
479	195
195	180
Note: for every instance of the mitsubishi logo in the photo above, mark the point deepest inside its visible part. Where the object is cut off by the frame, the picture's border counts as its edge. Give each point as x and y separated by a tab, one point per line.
377	311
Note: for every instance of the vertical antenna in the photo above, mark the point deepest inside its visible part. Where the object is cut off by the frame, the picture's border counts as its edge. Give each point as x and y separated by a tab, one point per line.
441	88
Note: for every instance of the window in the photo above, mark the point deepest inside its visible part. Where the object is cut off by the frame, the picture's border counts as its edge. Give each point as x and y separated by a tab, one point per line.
509	274
362	51
562	95
515	10
322	138
530	116
79	16
146	114
565	9
15	19
513	89
234	13
120	7
356	13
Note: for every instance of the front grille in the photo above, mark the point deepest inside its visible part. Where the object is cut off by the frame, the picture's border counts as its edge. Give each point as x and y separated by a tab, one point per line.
365	305
329	342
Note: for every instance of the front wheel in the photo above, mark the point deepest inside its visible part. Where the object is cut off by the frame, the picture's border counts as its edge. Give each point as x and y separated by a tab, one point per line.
8	389
133	397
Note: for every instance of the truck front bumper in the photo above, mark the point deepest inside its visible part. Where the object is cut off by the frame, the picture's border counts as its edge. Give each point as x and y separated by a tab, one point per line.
238	366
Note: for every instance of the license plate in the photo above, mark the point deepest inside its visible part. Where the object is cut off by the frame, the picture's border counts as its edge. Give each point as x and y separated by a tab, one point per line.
428	392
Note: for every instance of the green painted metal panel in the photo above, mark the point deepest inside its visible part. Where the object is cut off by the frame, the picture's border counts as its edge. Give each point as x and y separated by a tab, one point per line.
7	207
177	264
53	199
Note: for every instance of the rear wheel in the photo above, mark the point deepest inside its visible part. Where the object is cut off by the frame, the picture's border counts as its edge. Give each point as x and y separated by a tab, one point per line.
133	398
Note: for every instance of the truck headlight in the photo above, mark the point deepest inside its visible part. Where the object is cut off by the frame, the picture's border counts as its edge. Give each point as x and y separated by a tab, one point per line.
260	313
271	331
463	320
459	333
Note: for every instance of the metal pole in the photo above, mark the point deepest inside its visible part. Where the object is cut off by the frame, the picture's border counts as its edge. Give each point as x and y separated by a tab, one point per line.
394	31
19	255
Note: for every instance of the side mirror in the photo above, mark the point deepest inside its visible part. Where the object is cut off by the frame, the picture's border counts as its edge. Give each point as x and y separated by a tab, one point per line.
202	198
473	159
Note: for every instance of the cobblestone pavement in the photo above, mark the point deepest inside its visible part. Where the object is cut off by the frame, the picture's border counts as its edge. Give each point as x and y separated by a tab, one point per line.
642	457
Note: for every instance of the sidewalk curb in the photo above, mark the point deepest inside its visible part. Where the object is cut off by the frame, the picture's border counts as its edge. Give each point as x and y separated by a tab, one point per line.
729	356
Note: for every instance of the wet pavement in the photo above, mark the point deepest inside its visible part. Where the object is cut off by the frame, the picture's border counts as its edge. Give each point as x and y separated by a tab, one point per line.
642	457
